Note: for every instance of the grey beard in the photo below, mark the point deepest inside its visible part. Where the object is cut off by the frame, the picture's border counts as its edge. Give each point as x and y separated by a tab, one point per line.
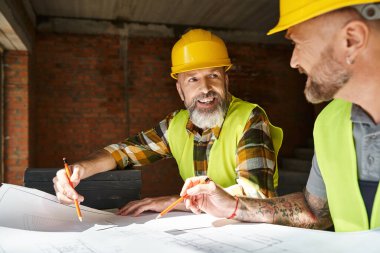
206	120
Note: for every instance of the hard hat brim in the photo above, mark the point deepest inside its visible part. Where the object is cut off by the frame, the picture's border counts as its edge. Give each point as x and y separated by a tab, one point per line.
312	10
205	65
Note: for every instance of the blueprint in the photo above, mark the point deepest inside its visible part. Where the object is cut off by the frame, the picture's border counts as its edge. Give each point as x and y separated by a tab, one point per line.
41	224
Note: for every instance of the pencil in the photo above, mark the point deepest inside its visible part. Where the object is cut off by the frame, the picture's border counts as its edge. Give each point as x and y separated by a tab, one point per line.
68	173
172	205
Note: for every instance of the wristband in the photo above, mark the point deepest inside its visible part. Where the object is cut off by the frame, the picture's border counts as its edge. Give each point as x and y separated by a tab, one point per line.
236	206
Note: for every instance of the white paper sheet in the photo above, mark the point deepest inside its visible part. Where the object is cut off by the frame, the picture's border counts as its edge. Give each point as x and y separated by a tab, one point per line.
13	240
32	211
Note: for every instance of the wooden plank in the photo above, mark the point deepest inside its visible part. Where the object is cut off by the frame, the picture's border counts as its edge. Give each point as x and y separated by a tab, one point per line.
16	25
6	33
111	189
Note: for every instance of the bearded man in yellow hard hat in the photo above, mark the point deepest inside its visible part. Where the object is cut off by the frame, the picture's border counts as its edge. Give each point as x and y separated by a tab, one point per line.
337	45
218	135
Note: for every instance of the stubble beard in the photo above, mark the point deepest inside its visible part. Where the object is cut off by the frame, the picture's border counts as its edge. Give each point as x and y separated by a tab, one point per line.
326	78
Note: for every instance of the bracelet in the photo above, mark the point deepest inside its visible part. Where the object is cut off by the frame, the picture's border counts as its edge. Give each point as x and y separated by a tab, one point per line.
236	206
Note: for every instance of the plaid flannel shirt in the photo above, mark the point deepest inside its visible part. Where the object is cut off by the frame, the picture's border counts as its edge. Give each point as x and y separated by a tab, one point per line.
255	156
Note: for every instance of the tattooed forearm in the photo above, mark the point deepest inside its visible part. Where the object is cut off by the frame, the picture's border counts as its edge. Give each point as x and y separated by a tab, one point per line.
290	210
321	210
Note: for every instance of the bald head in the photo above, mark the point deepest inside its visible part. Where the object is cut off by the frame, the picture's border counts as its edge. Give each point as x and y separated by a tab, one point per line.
340	53
333	48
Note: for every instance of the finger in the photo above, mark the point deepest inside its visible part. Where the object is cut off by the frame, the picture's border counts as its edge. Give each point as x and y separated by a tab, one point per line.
193	205
188	184
61	182
56	190
195	210
124	208
64	186
202	189
134	210
133	206
80	198
75	176
58	187
191	182
63	199
61	176
68	193
140	210
127	206
59	191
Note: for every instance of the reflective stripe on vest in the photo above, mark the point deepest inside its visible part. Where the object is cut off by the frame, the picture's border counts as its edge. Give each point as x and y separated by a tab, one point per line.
336	156
222	157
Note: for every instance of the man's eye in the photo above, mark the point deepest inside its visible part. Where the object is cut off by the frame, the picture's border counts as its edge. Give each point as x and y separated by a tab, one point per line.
213	76
193	79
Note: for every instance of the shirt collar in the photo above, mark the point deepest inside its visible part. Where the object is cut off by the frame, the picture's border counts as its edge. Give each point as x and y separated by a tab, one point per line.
358	115
197	131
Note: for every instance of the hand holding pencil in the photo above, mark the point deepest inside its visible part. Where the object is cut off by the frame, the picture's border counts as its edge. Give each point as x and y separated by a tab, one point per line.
209	198
68	173
175	203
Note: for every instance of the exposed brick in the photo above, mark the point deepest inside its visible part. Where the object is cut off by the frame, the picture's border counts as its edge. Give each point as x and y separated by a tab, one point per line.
82	102
80	86
16	112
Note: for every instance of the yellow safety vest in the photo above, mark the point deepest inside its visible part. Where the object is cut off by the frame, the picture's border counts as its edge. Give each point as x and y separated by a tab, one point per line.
222	157
336	155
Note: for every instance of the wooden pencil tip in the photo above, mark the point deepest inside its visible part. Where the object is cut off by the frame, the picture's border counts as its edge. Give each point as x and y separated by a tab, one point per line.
81	219
158	216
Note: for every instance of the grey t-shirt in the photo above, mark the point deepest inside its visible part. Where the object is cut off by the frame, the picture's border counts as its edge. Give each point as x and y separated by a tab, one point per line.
367	145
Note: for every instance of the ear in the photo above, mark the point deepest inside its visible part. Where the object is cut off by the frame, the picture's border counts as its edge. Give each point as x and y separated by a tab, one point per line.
180	92
356	36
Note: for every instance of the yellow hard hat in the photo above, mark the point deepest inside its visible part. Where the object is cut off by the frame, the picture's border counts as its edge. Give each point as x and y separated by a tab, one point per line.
293	12
199	49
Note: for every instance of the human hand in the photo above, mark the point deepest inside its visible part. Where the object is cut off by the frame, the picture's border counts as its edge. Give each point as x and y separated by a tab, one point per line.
64	191
157	204
209	198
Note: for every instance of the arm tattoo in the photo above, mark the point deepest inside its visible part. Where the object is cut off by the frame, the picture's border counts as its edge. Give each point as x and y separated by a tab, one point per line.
290	210
320	208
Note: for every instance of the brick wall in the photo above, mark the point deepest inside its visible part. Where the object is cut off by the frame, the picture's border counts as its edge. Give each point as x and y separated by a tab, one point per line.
16	115
152	93
80	96
262	75
82	100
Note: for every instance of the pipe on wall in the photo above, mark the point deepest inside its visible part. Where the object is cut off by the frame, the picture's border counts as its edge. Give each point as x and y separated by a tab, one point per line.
2	105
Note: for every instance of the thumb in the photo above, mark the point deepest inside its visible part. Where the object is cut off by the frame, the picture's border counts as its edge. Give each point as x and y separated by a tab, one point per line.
75	176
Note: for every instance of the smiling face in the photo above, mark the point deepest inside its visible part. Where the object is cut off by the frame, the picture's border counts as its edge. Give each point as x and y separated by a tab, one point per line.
204	92
314	55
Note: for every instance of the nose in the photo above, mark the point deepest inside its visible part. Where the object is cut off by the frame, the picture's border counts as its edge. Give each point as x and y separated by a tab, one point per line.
294	60
205	85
